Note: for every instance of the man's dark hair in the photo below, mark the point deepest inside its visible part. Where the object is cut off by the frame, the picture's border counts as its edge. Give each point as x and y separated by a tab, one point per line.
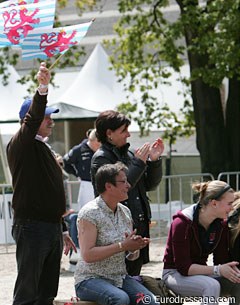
108	173
109	119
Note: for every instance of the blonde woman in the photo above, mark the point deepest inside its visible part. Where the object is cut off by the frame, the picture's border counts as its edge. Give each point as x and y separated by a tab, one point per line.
196	232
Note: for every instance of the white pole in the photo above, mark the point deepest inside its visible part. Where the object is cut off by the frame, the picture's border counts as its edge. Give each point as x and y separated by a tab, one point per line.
3	157
66	135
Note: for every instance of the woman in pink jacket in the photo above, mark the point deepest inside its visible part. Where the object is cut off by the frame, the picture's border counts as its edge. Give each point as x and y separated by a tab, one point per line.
196	232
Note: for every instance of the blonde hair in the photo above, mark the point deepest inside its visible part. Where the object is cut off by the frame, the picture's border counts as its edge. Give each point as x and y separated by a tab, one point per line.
236	195
92	135
234	218
210	190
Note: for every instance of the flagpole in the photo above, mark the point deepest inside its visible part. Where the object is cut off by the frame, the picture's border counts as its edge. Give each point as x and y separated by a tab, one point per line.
56	61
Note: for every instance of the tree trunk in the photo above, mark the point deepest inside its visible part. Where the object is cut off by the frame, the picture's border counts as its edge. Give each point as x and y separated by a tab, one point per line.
208	111
209	119
210	129
233	127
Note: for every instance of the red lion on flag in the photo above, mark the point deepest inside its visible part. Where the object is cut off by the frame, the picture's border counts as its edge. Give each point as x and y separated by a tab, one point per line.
56	42
18	21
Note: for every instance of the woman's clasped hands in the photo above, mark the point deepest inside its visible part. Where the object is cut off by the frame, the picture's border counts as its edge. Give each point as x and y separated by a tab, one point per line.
134	242
230	271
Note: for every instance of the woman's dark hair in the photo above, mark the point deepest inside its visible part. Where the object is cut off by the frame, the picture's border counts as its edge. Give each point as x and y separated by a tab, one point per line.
108	173
109	119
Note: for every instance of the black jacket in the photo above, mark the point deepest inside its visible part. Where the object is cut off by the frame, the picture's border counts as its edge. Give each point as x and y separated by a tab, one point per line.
234	251
36	176
142	177
78	161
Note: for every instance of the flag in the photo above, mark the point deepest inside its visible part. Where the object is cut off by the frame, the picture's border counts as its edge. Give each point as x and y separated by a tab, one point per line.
9	3
18	18
51	42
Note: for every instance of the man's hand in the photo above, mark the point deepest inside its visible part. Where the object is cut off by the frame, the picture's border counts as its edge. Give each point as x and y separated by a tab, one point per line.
68	244
43	77
68	212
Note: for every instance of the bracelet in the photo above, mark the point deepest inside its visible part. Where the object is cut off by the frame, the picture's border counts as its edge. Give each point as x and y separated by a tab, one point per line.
120	246
216	270
42	86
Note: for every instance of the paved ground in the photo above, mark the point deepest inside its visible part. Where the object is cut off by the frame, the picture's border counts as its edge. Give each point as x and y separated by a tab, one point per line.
66	286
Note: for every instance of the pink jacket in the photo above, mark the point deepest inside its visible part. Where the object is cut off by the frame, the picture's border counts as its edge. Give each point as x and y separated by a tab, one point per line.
183	247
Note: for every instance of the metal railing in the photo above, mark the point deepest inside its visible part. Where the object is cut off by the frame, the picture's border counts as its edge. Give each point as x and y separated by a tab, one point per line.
232	178
6	217
73	188
174	193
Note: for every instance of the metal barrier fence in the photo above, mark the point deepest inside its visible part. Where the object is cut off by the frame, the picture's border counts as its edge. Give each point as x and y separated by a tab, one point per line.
173	194
6	216
73	188
232	178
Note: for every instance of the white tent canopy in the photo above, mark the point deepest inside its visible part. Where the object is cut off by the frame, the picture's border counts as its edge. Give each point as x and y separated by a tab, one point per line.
96	86
12	96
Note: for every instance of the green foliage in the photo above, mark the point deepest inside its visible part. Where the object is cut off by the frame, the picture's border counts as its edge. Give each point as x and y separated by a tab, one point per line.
148	42
79	4
83	4
214	31
7	58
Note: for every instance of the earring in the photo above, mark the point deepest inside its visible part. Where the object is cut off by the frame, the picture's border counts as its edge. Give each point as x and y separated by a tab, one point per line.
110	139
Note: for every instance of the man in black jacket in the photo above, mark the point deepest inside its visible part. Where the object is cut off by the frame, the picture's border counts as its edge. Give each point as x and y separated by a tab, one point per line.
78	163
38	201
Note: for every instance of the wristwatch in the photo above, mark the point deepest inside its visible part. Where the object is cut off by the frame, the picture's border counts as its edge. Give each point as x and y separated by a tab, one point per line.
216	270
